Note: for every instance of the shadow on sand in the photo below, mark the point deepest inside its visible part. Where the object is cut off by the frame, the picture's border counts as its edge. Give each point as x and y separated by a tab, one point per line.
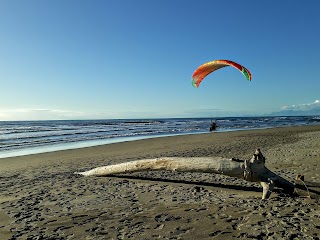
313	188
191	183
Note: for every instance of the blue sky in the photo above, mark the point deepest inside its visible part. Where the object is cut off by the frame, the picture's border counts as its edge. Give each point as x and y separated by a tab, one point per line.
74	59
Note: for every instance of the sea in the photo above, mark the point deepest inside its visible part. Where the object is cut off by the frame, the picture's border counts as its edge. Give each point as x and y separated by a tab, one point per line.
19	138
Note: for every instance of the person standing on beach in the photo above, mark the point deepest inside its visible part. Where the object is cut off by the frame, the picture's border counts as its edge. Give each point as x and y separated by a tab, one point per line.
213	126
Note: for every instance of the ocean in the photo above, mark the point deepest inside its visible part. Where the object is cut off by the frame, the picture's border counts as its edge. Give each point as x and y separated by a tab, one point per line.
28	137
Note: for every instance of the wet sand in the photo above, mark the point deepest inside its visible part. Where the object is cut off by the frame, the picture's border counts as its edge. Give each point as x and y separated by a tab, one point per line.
41	198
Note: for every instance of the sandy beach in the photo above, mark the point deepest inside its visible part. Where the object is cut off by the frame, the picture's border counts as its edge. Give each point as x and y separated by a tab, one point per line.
41	198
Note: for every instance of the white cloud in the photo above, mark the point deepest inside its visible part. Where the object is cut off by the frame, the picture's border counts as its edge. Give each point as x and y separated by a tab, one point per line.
58	114
303	106
39	114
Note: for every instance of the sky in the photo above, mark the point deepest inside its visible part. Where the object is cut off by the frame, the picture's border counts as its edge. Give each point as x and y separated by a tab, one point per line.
92	59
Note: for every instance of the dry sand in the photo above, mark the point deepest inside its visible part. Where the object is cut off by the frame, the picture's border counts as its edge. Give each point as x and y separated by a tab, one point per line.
41	198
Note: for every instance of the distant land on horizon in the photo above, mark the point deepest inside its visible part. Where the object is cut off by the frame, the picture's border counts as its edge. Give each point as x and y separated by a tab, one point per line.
311	112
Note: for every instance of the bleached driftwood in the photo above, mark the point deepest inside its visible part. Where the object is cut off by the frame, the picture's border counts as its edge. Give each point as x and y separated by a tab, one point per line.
253	170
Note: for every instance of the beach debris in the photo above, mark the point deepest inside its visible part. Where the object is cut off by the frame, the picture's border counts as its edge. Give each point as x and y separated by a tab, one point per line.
205	69
306	189
300	177
252	170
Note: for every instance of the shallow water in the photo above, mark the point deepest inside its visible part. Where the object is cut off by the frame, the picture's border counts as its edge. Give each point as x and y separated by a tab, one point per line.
29	137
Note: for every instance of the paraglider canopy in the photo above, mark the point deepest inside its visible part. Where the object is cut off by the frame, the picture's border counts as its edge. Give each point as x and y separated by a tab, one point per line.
202	71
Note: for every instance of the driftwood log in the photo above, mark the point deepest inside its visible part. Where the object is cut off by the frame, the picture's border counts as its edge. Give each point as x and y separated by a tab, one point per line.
253	170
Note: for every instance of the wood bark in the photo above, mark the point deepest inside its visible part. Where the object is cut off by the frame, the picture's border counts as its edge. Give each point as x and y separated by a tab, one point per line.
253	170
